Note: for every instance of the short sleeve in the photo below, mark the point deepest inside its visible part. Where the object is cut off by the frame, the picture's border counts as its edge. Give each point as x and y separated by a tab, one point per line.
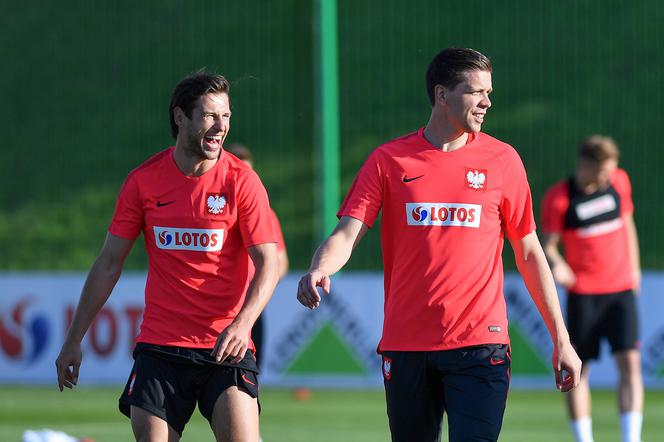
128	218
365	197
281	243
254	213
554	207
623	186
516	207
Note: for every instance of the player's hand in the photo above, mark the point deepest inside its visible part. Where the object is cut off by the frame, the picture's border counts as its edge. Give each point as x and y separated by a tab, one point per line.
563	274
67	364
566	366
307	293
232	343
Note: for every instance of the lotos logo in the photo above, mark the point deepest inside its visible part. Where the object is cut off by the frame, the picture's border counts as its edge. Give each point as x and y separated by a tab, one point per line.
419	214
164	238
443	214
23	336
199	240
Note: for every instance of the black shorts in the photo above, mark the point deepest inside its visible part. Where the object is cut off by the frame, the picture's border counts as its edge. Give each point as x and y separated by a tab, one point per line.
593	317
469	384
169	381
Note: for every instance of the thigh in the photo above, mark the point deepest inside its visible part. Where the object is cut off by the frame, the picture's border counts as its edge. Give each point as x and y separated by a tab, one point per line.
584	325
220	379
414	397
475	389
235	417
160	388
147	426
620	324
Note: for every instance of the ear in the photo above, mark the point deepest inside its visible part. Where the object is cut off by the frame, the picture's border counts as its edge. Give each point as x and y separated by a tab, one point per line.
440	92
178	115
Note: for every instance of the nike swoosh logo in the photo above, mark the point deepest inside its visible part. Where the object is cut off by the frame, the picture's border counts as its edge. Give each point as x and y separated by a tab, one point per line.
160	204
496	361
408	180
244	376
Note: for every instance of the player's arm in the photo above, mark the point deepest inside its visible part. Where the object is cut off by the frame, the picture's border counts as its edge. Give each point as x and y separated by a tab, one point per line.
634	255
533	267
329	258
562	272
98	286
234	340
282	258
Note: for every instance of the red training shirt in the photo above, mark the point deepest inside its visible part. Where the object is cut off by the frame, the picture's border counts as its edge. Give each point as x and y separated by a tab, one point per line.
197	231
593	233
444	218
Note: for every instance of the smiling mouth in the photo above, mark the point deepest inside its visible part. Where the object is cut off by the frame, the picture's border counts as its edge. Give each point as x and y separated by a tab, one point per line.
213	141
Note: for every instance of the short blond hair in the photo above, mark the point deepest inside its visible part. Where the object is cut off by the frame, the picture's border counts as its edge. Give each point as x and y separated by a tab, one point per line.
599	148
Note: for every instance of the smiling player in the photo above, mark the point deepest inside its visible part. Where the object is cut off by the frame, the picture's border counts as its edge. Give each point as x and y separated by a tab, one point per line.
203	214
449	194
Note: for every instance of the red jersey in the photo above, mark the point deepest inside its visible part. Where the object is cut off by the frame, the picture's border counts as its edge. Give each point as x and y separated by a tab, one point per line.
593	233
444	218
197	231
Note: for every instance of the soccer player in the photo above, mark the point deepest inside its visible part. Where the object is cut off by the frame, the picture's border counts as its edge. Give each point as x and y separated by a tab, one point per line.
449	194
257	332
591	215
204	215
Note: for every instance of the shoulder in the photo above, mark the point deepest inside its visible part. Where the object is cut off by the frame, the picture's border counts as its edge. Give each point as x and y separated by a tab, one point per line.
153	163
238	170
557	195
405	145
620	177
504	151
148	171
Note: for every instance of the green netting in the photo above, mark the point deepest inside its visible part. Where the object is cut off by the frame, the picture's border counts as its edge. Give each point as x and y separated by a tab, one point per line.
86	87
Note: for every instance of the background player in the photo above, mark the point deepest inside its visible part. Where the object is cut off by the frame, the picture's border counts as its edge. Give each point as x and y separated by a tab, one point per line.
258	331
448	193
591	214
203	214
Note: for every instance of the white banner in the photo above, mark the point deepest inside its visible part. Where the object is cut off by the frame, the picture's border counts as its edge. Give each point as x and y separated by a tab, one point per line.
332	346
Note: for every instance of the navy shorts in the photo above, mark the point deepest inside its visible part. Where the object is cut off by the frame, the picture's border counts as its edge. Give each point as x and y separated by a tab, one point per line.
613	316
168	382
469	384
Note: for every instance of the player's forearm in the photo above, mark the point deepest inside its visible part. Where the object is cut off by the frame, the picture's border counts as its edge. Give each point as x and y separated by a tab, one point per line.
261	286
634	253
98	286
332	254
551	251
537	276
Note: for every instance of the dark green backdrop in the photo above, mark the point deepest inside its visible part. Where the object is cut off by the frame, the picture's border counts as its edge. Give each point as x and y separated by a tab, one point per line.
86	88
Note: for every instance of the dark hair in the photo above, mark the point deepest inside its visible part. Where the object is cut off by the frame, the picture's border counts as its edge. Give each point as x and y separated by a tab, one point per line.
241	151
598	148
449	66
189	89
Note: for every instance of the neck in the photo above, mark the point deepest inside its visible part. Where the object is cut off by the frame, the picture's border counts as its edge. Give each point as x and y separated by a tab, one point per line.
190	162
444	136
586	188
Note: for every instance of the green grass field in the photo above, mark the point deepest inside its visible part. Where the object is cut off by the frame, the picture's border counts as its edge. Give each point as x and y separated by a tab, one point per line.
327	416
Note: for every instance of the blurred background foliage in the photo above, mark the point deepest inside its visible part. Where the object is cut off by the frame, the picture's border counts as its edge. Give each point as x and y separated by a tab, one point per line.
86	88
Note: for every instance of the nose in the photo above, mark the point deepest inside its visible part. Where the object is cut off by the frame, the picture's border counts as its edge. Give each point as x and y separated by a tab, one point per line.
485	103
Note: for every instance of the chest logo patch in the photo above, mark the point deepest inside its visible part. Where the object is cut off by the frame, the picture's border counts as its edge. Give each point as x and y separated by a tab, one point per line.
476	179
216	202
